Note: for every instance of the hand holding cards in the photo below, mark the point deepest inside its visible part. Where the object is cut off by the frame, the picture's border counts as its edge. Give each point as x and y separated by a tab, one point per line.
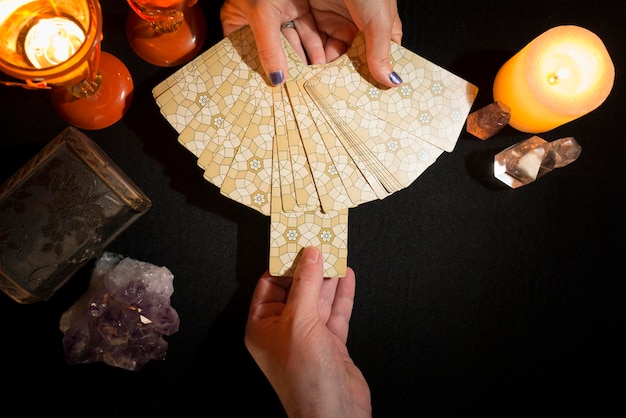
328	139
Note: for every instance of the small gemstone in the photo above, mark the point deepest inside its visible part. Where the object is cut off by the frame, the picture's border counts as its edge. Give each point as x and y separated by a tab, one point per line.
488	121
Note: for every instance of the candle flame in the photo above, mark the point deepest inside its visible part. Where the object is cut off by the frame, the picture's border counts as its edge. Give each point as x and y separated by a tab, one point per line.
53	41
558	76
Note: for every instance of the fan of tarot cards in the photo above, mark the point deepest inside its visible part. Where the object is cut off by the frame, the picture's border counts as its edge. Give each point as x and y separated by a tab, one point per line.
328	139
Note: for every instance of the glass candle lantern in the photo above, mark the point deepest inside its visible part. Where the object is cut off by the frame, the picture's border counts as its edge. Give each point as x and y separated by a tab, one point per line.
55	44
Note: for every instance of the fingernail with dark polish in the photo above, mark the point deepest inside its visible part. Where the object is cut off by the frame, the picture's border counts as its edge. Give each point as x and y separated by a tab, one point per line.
277	77
395	78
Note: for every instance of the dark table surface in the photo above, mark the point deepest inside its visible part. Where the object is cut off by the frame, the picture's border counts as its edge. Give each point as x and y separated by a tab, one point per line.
471	297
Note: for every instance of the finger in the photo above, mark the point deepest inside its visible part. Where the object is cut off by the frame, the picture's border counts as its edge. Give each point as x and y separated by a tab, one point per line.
327	297
270	48
307	282
266	307
334	48
265	25
310	38
294	40
396	30
231	18
381	24
337	33
378	49
339	321
269	296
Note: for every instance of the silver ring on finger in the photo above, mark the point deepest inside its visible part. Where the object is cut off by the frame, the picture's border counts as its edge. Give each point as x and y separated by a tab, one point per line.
288	25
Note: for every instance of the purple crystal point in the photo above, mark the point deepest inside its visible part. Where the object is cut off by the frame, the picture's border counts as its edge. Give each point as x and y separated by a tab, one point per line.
123	316
526	161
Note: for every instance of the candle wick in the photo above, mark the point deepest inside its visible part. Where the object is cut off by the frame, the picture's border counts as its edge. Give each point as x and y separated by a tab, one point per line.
554	78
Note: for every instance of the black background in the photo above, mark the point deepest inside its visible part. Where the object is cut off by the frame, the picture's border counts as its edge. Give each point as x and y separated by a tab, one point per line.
472	298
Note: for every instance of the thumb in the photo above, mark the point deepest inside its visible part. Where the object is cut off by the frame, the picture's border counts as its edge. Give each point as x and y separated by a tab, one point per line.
307	281
270	48
378	49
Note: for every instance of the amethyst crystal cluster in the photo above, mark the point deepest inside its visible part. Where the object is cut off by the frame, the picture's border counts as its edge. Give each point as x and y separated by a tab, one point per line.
123	316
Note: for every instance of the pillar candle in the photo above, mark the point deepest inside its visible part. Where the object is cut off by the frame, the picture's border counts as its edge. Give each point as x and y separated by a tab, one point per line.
561	75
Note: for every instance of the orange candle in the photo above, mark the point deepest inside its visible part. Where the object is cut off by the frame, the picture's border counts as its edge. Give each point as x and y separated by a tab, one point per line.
561	75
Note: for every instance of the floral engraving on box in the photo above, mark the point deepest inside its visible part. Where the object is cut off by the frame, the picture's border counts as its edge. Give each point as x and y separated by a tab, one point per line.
49	218
60	210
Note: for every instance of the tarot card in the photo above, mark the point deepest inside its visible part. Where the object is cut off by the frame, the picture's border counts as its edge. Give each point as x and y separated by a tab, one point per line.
291	231
248	179
336	178
227	104
386	155
219	152
432	103
219	112
281	157
182	94
330	189
342	131
226	115
304	186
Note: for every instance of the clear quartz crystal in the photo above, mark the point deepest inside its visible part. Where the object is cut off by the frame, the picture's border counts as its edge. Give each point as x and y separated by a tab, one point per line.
526	161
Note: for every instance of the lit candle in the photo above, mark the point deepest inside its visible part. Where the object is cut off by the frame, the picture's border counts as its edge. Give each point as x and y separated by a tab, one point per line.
52	41
561	75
